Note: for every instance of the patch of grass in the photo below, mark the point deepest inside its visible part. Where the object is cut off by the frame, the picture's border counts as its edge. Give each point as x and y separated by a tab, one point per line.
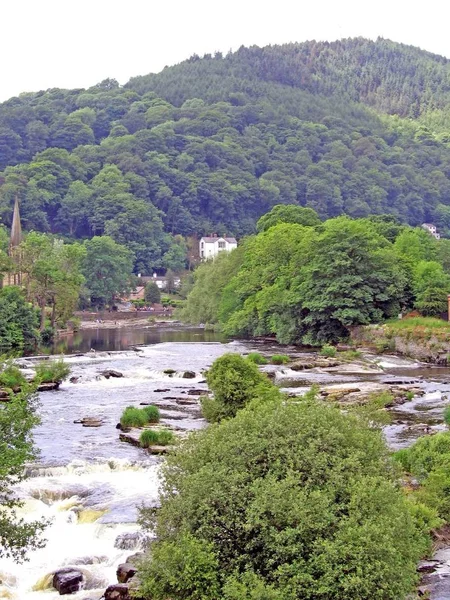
257	358
152	437
133	417
426	322
53	371
410	395
351	355
152	413
279	359
328	351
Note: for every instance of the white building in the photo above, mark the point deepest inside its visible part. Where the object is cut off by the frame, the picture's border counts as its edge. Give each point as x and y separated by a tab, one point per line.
210	247
432	229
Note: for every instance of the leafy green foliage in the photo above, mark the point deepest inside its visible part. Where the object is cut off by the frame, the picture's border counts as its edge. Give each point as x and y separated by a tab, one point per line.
279	359
257	358
11	377
328	351
428	460
18	320
233	381
283	213
17	419
285	500
152	412
139	417
212	144
311	284
107	268
152	293
153	437
52	371
133	417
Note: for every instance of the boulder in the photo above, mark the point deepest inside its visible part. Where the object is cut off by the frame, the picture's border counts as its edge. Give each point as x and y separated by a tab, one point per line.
111	373
74	379
189	375
119	591
125	572
163	390
48	387
135	558
67	581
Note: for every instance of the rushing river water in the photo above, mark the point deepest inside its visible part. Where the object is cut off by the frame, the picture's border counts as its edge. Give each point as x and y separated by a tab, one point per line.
90	485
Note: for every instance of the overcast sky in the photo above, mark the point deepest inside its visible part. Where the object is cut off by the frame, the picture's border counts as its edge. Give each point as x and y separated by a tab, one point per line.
68	43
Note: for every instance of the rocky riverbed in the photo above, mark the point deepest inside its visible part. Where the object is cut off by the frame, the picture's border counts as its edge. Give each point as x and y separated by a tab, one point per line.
90	483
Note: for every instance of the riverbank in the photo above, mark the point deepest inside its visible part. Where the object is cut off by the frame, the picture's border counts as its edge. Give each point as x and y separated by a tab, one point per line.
116	322
424	339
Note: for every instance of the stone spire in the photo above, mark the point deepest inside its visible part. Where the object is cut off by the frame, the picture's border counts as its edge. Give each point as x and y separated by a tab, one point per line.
16	228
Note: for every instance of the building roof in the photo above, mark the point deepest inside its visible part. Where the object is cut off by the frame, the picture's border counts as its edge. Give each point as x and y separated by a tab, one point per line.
212	240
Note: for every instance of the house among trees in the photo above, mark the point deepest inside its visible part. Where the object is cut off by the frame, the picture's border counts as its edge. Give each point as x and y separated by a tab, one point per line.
432	229
211	246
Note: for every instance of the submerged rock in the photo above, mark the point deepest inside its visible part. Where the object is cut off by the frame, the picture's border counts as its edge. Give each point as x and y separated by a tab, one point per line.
67	581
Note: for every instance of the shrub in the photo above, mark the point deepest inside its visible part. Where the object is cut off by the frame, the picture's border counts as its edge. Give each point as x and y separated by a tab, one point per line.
257	358
152	413
11	377
297	485
233	381
447	416
151	437
279	359
52	371
428	461
133	417
328	351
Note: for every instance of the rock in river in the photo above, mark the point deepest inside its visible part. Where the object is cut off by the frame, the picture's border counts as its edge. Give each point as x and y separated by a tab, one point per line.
111	373
125	572
67	581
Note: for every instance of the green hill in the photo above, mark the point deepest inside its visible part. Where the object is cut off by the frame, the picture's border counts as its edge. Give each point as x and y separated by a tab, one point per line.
354	126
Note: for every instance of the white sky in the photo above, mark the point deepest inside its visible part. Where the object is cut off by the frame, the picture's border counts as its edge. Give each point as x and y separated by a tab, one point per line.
77	43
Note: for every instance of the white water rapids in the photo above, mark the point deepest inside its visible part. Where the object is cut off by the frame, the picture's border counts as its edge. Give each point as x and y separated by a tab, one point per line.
88	483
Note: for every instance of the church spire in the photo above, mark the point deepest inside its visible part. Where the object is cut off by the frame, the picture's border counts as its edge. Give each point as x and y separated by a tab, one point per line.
16	228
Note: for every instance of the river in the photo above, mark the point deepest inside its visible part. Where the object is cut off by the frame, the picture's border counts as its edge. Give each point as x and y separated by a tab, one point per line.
90	485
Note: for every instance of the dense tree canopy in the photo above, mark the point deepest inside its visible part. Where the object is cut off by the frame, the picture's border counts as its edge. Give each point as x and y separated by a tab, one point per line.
214	143
311	284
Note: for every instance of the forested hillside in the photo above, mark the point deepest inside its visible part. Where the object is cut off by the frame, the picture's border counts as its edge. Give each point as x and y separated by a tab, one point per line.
353	127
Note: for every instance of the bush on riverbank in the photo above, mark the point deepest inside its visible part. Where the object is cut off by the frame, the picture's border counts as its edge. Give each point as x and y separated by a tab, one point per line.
428	460
54	371
285	500
233	381
139	417
153	437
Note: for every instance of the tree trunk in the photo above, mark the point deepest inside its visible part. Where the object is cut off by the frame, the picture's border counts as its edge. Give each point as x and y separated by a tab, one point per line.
42	303
53	314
